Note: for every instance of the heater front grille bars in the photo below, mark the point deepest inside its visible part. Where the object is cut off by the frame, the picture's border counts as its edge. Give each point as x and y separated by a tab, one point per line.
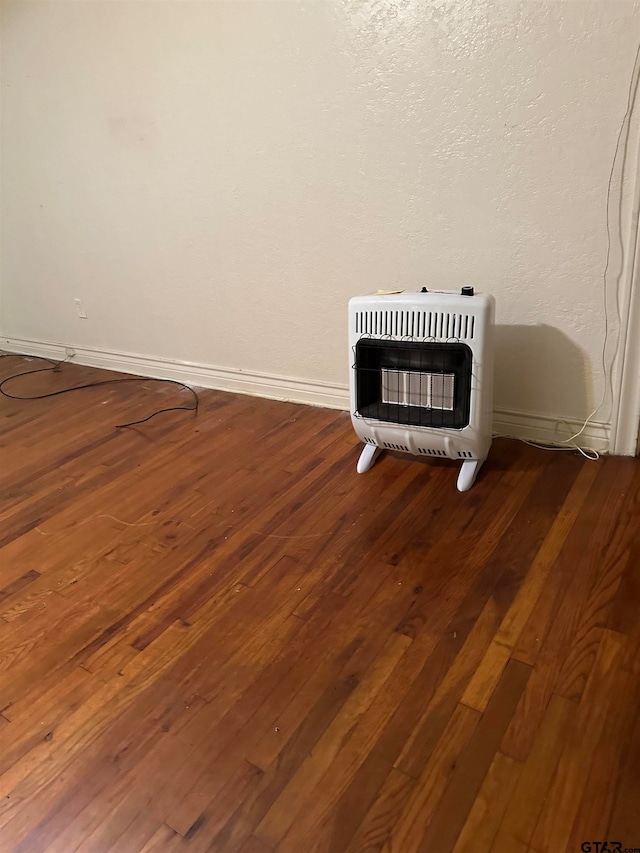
413	383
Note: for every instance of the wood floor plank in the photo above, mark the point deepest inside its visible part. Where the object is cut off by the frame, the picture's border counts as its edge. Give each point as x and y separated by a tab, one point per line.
365	780
426	663
483	822
624	823
481	687
385	812
449	692
205	648
241	738
408	830
254	845
270	724
594	813
578	550
482	684
567	652
556	820
474	762
544	560
527	797
160	842
495	581
284	811
251	810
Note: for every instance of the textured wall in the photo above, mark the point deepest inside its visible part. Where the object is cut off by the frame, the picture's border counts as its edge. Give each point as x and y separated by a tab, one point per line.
215	179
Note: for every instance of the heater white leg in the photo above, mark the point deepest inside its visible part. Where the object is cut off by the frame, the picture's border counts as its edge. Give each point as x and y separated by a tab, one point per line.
468	473
368	456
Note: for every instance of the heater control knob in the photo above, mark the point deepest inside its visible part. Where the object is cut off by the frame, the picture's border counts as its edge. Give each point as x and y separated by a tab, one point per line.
424	290
467	291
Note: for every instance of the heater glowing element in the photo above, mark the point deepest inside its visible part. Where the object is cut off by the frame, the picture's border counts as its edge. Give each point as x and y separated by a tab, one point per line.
417	388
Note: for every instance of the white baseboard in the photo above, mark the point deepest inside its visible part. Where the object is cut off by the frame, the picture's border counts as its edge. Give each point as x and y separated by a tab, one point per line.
269	385
533	427
547	429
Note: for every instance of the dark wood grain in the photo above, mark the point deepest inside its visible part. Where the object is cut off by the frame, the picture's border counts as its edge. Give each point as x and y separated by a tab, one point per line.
216	637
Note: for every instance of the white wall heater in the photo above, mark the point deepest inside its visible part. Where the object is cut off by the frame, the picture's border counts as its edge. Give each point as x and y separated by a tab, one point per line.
421	378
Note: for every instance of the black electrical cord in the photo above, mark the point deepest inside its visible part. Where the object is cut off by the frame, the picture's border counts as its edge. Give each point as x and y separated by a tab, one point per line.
56	365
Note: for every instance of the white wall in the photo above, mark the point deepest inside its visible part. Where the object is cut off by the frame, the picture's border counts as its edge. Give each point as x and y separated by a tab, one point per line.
215	179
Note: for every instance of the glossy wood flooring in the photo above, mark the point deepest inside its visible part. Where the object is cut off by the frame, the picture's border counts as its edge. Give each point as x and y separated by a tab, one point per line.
215	636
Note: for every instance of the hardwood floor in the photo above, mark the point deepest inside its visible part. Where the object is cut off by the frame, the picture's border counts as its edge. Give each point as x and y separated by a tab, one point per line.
216	636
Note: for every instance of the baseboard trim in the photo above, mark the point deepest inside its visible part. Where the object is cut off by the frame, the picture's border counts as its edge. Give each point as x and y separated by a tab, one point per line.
546	429
272	386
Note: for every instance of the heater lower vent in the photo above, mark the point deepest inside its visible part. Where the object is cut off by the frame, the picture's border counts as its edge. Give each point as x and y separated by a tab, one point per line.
430	451
390	446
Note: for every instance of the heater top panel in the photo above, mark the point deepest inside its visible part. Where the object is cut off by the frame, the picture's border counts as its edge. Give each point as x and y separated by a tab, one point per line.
465	299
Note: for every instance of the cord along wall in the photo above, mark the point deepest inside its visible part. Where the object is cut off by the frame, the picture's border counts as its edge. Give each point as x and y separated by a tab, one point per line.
214	181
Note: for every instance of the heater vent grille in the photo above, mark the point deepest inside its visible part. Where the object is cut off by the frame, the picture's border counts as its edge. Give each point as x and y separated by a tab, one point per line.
416	383
438	325
429	451
390	446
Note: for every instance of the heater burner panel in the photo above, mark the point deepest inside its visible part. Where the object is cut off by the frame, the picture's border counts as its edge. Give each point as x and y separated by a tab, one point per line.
417	388
415	383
